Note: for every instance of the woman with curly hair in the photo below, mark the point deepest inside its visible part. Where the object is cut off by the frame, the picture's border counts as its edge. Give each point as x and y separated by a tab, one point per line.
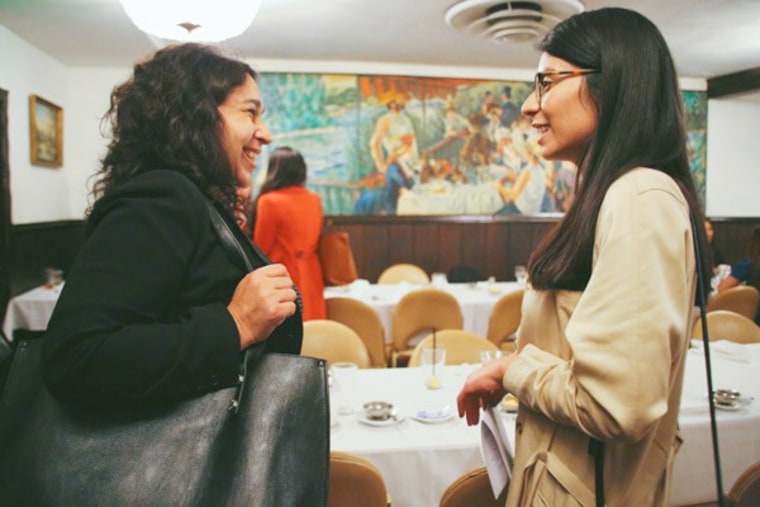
154	307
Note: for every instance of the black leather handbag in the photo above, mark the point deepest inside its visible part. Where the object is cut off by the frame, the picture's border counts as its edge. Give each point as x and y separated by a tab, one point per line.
262	443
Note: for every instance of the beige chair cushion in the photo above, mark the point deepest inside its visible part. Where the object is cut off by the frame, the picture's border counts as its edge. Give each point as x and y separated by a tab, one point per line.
505	319
333	342
472	489
746	489
403	272
742	299
726	325
355	482
363	319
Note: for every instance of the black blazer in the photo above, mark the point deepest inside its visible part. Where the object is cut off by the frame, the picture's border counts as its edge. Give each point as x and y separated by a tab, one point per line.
143	312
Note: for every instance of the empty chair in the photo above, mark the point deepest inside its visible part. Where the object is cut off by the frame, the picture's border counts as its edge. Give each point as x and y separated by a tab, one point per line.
355	481
363	319
745	491
726	325
742	299
461	346
403	272
422	311
333	342
505	319
472	489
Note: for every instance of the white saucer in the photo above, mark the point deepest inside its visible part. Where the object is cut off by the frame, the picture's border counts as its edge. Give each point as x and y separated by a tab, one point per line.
433	416
733	407
391	421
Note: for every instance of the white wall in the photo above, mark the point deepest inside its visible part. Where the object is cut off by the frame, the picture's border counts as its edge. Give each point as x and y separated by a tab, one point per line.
733	165
38	194
41	194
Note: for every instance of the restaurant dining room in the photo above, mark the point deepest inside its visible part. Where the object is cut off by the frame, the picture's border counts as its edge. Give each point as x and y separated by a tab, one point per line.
423	135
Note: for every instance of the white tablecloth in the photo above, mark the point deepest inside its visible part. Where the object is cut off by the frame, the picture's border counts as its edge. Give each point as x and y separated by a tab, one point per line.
476	300
31	310
418	461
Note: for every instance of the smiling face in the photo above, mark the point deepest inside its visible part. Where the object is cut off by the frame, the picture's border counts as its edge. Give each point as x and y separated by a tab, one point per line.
244	132
566	116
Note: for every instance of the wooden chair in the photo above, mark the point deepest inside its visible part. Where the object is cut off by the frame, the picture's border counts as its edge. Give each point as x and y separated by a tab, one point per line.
727	325
505	319
363	319
742	299
422	311
333	342
355	481
461	346
403	272
472	488
745	491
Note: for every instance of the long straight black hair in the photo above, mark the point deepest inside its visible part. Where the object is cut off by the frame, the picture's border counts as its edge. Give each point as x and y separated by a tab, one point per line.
286	168
640	124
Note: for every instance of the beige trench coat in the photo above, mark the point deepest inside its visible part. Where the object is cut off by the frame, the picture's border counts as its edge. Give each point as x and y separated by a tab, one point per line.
608	362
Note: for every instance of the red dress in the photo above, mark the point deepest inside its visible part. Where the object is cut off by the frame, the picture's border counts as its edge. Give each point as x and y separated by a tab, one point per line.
288	225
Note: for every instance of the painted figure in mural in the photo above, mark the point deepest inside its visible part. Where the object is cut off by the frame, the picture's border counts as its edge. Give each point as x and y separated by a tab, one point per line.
528	190
509	110
287	224
393	147
477	149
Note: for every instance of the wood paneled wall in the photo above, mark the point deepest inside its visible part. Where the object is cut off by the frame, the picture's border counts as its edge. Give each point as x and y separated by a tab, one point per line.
493	245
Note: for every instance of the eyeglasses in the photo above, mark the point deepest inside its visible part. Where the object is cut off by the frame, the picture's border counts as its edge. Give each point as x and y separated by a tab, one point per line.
541	84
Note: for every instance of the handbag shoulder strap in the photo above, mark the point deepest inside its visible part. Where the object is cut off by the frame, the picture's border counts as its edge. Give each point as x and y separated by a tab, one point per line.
702	297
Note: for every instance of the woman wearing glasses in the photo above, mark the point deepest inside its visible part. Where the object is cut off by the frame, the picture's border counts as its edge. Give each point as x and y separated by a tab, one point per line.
606	316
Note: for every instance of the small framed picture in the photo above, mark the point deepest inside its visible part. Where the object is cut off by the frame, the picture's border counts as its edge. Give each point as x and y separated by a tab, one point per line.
46	132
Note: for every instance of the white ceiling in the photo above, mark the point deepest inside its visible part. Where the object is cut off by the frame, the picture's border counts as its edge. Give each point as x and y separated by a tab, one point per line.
707	37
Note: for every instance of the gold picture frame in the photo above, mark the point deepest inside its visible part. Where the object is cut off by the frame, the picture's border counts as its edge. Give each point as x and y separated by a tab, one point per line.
46	132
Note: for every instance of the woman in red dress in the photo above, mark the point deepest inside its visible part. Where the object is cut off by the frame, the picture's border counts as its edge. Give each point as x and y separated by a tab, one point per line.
287	225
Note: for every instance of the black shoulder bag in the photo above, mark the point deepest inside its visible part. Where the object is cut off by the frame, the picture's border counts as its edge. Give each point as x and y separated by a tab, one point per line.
264	442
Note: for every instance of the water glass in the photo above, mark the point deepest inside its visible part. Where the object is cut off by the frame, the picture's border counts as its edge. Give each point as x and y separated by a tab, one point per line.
490	355
521	275
439	280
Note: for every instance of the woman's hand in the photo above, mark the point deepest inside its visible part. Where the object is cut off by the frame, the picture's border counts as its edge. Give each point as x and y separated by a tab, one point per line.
483	388
262	300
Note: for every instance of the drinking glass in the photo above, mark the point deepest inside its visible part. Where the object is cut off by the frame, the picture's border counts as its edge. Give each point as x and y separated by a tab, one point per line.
521	275
432	359
342	378
489	355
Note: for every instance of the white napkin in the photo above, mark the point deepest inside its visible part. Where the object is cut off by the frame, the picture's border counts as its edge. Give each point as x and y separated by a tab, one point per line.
496	446
724	349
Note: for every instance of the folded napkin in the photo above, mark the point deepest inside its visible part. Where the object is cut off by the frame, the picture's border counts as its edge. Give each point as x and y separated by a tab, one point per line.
724	349
496	444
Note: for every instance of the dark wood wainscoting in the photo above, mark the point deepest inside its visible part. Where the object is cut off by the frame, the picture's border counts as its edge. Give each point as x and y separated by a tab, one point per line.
37	246
493	245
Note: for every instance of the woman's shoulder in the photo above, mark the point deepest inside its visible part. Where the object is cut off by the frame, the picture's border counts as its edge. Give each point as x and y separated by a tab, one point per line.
161	188
643	180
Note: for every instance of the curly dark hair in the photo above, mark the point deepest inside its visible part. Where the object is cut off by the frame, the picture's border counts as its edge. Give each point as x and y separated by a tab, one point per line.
165	117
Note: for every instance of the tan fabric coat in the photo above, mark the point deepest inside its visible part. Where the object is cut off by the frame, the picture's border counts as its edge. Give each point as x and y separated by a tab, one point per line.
608	362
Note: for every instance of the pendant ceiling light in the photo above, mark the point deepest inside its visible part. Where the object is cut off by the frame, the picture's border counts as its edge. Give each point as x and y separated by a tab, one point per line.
192	20
512	22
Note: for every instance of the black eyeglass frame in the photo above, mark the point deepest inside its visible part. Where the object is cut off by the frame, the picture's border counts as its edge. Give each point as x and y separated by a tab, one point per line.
539	87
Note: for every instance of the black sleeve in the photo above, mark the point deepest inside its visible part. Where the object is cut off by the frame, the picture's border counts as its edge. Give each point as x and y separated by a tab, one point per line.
127	324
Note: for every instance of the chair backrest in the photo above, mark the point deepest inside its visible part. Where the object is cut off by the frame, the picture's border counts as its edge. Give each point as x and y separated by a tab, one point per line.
472	489
463	274
355	481
424	310
745	491
333	342
727	325
403	272
742	299
505	318
461	346
363	319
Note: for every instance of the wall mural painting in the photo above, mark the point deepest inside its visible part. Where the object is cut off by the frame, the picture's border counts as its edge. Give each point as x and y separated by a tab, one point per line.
399	145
